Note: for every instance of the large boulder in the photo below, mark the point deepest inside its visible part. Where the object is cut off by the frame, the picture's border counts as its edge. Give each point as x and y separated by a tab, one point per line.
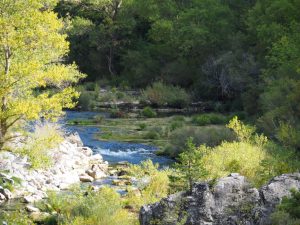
229	201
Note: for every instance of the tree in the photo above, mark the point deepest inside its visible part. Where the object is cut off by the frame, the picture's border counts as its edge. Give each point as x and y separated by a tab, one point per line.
190	164
33	81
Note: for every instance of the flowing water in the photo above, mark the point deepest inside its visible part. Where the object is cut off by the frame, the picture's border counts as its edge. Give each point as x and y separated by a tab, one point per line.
112	151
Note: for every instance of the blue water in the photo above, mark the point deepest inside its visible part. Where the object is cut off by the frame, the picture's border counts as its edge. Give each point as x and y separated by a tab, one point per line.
112	151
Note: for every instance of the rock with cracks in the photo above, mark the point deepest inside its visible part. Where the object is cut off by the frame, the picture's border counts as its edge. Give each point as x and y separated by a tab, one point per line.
230	201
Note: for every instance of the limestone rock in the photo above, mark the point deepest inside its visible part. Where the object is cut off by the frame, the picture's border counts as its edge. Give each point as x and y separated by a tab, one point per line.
75	139
31	208
86	178
6	193
86	150
230	201
2	197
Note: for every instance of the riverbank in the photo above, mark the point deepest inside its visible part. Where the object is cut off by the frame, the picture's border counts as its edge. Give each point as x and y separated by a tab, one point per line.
71	163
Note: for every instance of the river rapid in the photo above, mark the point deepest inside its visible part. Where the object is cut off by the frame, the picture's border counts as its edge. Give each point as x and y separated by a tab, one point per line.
112	151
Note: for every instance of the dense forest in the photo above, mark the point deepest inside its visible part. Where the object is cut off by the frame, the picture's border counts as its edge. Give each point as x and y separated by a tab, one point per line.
165	94
242	55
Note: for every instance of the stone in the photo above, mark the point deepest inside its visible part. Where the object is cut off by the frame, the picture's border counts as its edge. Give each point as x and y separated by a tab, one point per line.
86	151
39	217
6	193
232	200
2	197
113	172
86	178
75	139
32	198
31	208
96	174
97	158
117	182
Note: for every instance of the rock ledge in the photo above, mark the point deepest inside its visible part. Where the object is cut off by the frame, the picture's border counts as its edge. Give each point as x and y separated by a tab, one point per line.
230	201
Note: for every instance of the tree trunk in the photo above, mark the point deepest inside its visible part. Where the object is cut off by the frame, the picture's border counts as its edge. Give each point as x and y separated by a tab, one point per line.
3	120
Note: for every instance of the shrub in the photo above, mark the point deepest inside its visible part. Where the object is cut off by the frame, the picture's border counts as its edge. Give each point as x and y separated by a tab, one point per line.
288	211
116	113
211	118
87	100
99	118
211	136
288	135
190	166
152	183
160	94
176	125
236	157
17	217
149	112
91	208
153	135
39	144
142	126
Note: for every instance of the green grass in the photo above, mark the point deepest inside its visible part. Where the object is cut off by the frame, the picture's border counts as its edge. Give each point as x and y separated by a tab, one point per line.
147	131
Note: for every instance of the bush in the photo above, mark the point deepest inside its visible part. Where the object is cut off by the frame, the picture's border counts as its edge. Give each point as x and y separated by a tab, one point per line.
288	211
116	113
160	94
149	112
87	100
17	217
252	156
153	135
142	126
152	183
211	118
40	142
91	208
190	165
176	125
211	136
236	157
99	118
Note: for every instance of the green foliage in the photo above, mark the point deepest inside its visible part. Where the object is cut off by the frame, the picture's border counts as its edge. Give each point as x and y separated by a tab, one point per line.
242	131
99	119
211	118
152	135
86	101
153	184
176	125
34	83
117	113
17	217
288	211
148	112
39	144
210	136
160	94
235	157
142	126
190	165
80	207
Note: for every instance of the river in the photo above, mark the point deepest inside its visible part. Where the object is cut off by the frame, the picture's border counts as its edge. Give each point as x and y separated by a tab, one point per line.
112	151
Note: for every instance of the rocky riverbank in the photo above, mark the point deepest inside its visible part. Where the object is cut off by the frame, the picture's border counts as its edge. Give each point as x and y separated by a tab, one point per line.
229	201
72	163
